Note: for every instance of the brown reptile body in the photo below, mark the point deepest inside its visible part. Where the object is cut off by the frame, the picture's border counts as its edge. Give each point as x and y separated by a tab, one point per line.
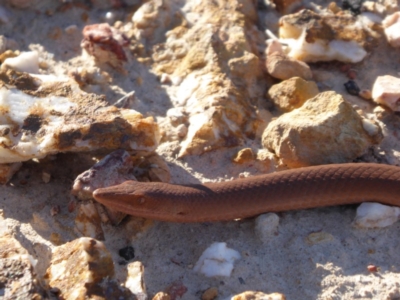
302	188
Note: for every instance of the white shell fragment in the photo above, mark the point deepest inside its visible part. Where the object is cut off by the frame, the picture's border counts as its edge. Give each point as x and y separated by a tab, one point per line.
391	24
372	215
59	117
312	37
217	260
25	62
386	91
266	226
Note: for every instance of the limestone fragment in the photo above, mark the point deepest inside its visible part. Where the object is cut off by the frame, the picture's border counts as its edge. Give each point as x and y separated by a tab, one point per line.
282	67
83	268
292	93
105	43
135	280
214	61
266	226
217	260
376	215
18	279
88	221
210	294
253	295
391	25
243	156
326	129
59	117
314	37
7	171
386	91
319	237
24	62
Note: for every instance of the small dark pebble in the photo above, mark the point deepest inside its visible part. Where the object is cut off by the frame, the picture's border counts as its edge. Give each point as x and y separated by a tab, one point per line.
352	5
241	280
127	253
352	87
55	291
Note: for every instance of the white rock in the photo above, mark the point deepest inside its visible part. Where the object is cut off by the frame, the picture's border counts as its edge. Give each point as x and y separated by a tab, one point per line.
217	260
391	25
372	215
386	91
266	225
25	62
135	280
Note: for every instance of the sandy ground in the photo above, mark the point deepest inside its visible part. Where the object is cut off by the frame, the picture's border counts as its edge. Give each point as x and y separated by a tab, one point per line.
334	268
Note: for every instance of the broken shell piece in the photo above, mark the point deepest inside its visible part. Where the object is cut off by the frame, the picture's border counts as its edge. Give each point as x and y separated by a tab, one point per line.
105	44
312	37
391	24
25	62
217	260
58	117
373	215
386	91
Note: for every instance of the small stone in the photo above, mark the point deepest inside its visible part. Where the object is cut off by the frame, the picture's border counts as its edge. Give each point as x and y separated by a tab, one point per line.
210	294
366	94
376	215
283	67
386	91
7	171
243	156
326	129
127	253
292	93
83	268
217	260
391	25
25	62
319	237
55	210
253	295
7	54
266	225
372	268
181	130
161	296
135	280
46	177
176	290
352	87
88	221
71	29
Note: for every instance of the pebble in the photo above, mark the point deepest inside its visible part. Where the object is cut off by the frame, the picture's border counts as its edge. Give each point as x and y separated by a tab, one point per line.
243	156
319	237
266	226
25	62
283	67
292	93
352	87
256	295
376	215
161	296
210	294
295	137
372	268
391	25
181	130
386	91
366	94
135	280
71	29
